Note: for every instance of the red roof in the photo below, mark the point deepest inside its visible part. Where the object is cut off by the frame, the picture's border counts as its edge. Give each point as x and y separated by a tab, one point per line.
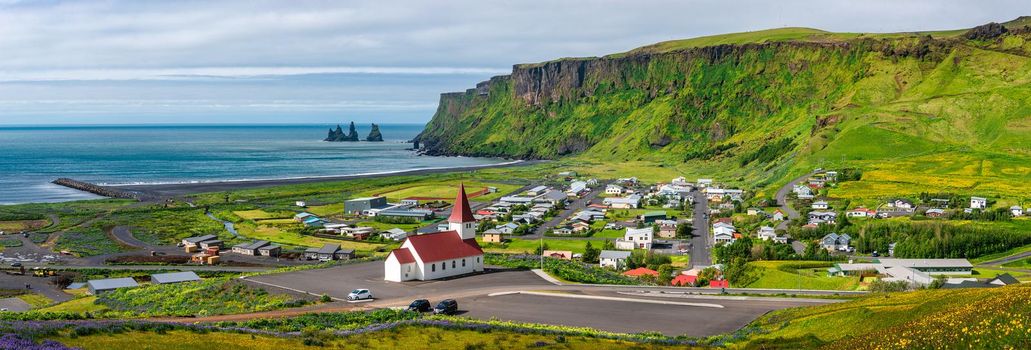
403	255
447	245
461	212
683	280
641	271
726	220
719	284
737	235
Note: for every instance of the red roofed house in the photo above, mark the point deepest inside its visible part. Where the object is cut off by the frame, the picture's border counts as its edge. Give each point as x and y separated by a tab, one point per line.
641	271
683	280
439	254
719	284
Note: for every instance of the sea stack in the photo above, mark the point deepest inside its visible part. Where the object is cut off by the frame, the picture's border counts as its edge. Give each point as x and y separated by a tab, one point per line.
339	136
374	134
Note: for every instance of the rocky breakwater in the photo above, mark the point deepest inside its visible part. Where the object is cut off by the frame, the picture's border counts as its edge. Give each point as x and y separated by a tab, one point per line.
100	190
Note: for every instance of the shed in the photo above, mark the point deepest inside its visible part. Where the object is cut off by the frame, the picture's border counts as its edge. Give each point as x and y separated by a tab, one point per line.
174	277
105	285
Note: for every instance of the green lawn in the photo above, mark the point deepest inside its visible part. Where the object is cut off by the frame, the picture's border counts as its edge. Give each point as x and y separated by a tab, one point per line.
771	274
78	306
517	245
1024	263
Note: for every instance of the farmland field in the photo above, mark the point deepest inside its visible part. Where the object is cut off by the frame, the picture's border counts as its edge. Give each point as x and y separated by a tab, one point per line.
772	274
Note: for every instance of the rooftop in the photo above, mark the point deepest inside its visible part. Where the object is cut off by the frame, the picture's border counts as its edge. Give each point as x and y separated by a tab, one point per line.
175	277
112	283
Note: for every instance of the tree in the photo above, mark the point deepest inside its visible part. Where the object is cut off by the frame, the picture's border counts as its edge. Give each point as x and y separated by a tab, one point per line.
590	253
665	274
541	248
685	230
736	271
608	245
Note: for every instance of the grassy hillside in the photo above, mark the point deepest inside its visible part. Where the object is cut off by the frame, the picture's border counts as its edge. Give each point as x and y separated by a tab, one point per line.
947	110
997	318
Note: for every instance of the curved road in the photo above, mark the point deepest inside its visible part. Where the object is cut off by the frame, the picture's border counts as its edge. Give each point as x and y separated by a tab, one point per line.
782	199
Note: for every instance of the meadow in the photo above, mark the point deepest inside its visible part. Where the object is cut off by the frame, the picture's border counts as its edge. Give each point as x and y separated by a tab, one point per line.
797	275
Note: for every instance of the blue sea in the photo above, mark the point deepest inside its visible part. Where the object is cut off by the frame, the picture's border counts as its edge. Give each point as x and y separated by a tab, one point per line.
31	156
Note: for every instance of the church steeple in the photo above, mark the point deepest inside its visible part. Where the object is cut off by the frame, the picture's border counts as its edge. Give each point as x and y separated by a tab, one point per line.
461	219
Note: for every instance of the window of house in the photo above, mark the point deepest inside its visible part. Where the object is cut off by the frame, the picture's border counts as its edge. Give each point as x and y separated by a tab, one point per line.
463	262
452	264
477	260
433	267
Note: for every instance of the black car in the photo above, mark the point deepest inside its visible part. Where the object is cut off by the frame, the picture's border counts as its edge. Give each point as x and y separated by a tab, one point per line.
446	307
420	305
16	264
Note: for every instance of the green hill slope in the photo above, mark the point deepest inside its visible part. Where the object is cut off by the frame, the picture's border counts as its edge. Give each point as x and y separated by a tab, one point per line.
994	318
945	108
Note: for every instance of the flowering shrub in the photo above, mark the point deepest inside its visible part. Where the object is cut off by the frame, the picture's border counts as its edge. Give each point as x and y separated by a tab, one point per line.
211	296
14	342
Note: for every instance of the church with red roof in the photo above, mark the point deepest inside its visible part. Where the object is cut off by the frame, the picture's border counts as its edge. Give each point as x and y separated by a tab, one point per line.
439	254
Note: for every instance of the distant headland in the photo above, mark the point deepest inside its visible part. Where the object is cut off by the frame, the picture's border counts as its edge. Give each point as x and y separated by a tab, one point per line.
338	135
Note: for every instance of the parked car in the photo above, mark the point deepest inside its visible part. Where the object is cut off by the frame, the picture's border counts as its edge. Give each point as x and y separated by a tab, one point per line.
875	254
359	294
446	307
16	264
420	305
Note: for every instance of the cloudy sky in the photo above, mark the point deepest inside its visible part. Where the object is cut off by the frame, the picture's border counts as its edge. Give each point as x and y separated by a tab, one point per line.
251	61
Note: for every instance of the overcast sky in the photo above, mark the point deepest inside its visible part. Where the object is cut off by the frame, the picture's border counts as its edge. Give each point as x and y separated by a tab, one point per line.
249	61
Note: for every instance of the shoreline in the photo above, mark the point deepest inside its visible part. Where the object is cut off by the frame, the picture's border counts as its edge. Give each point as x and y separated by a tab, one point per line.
186	188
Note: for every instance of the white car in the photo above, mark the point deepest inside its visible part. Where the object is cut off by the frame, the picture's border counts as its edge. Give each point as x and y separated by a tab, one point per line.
359	294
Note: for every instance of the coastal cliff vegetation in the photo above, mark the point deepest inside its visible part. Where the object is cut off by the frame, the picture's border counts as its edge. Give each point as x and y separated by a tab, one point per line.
763	106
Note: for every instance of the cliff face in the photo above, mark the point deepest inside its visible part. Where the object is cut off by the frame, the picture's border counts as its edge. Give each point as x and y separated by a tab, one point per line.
722	102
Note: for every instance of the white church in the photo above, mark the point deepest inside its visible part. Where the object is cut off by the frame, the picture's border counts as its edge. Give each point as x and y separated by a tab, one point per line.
439	254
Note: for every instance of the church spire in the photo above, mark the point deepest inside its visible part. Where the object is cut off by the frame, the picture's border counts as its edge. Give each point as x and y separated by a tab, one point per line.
461	211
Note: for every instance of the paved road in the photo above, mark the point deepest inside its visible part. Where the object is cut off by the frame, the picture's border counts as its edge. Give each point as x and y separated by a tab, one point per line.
701	251
1007	259
124	235
782	199
572	207
38	284
30	265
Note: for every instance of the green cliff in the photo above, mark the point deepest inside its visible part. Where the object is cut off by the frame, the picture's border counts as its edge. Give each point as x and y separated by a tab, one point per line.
760	103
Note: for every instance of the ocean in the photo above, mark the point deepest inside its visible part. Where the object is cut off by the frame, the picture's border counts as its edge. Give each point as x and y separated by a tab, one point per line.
32	156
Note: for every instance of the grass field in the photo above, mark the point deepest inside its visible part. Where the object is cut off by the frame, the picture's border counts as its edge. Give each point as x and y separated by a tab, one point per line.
772	274
275	234
442	190
402	338
258	214
993	318
1024	263
988	272
19	225
78	306
36	300
517	245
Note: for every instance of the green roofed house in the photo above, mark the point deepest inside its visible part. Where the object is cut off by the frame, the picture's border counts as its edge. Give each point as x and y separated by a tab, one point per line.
651	216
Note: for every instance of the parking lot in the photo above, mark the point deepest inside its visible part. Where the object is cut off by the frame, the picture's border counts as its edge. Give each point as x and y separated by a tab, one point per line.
491	295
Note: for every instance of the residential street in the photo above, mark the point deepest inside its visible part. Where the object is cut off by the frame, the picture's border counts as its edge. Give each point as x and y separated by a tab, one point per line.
782	199
571	208
701	252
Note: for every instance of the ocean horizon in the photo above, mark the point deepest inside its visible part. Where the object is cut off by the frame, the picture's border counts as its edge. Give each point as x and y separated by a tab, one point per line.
124	154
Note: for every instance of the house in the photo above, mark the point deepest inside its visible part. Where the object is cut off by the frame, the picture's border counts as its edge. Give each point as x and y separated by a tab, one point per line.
537	191
195	241
861	212
901	204
652	216
395	234
1017	210
831	175
704	182
174	277
754	211
822	217
257	248
722	231
558	254
361	205
576	188
313	221
567	173
978	203
555	197
211	243
628	202
683	280
562	230
641	271
667	228
328	252
767	233
822	205
440	254
1003	280
406	213
614	189
300	217
580	226
834	241
717	194
301	204
615	259
507	229
778	215
913	271
934	213
105	285
492	236
636	238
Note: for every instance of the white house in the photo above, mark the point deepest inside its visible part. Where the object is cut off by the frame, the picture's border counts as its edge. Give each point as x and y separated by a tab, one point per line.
615	259
767	233
628	202
704	182
978	203
778	215
441	254
861	212
1016	210
636	238
820	205
614	189
902	204
723	232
